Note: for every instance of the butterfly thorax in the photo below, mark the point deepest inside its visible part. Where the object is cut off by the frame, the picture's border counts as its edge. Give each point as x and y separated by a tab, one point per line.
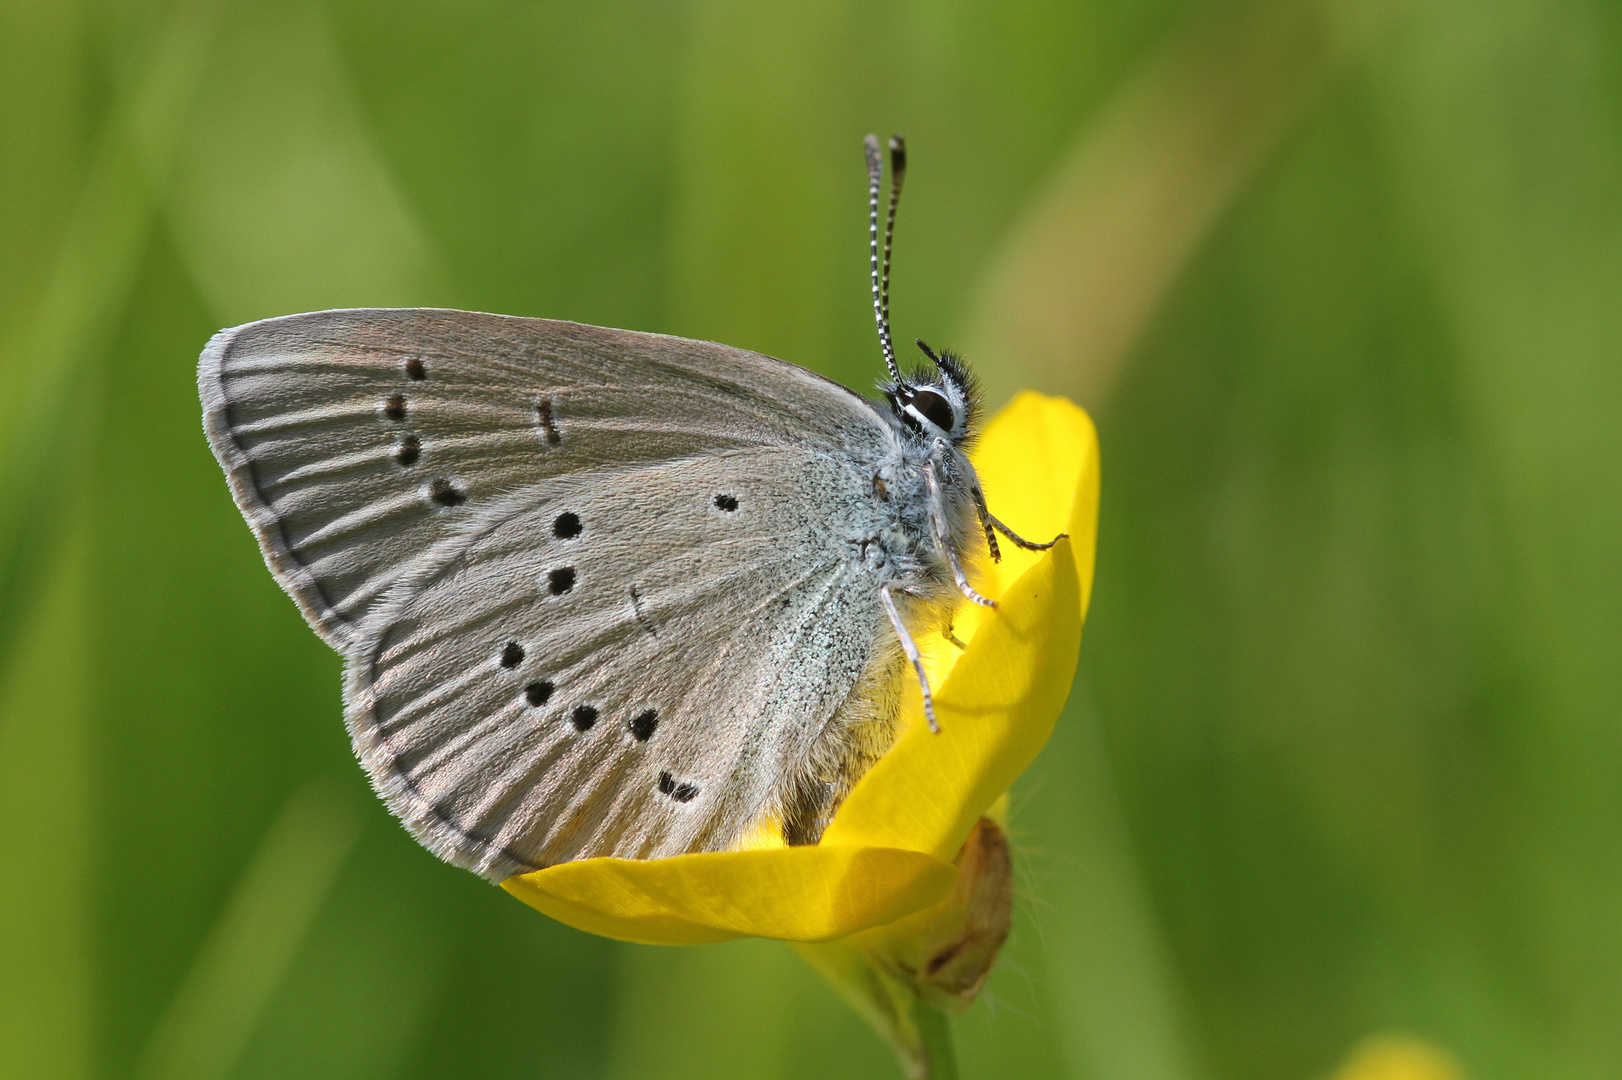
901	548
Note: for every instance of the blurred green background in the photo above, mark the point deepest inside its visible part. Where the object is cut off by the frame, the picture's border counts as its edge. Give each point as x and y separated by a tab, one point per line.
1341	282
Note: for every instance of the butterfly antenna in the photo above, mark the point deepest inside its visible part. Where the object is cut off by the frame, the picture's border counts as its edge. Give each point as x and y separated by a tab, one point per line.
898	171
881	315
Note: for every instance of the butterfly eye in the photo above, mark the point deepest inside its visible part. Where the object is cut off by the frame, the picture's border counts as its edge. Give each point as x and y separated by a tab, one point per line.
934	408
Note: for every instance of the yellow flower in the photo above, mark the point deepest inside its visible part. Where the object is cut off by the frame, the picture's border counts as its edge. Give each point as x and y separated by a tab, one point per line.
1399	1057
890	850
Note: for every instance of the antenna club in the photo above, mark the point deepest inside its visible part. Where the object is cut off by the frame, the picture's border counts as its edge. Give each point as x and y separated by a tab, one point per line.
898	154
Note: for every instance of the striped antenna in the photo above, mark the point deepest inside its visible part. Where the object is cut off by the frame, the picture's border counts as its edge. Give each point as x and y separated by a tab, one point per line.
898	171
881	280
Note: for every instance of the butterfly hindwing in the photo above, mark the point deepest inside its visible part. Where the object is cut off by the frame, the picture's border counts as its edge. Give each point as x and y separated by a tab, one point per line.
630	662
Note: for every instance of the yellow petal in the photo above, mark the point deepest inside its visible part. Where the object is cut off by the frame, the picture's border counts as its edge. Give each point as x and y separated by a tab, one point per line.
996	710
1038	463
794	894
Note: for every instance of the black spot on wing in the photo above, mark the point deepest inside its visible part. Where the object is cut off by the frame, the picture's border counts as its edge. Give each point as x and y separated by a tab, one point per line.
567	526
445	493
408	450
643	723
415	370
394	407
560	581
583	717
728	503
549	427
680	792
538	693
512	654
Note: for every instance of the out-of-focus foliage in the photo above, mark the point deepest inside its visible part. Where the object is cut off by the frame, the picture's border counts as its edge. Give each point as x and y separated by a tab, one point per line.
1344	754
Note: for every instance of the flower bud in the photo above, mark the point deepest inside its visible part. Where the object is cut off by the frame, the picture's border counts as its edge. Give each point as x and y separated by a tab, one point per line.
936	958
944	953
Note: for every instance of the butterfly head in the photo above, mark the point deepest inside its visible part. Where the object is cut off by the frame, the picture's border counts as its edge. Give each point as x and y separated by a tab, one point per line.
943	403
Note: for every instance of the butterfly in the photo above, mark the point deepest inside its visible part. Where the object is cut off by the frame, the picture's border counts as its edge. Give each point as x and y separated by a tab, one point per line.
601	592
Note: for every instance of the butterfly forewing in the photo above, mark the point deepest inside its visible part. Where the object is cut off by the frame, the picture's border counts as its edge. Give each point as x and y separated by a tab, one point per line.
356	440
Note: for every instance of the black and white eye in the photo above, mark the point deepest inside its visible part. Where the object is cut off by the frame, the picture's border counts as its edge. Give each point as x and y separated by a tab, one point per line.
935	408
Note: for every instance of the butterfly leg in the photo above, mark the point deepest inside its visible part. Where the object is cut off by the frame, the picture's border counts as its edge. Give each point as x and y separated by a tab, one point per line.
985	522
949	636
910	647
1018	539
943	537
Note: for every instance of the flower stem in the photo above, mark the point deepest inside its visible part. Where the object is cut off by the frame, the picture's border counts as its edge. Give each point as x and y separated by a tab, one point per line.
935	1031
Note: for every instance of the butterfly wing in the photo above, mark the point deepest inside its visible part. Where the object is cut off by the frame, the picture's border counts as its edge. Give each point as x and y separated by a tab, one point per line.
647	680
593	586
356	440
